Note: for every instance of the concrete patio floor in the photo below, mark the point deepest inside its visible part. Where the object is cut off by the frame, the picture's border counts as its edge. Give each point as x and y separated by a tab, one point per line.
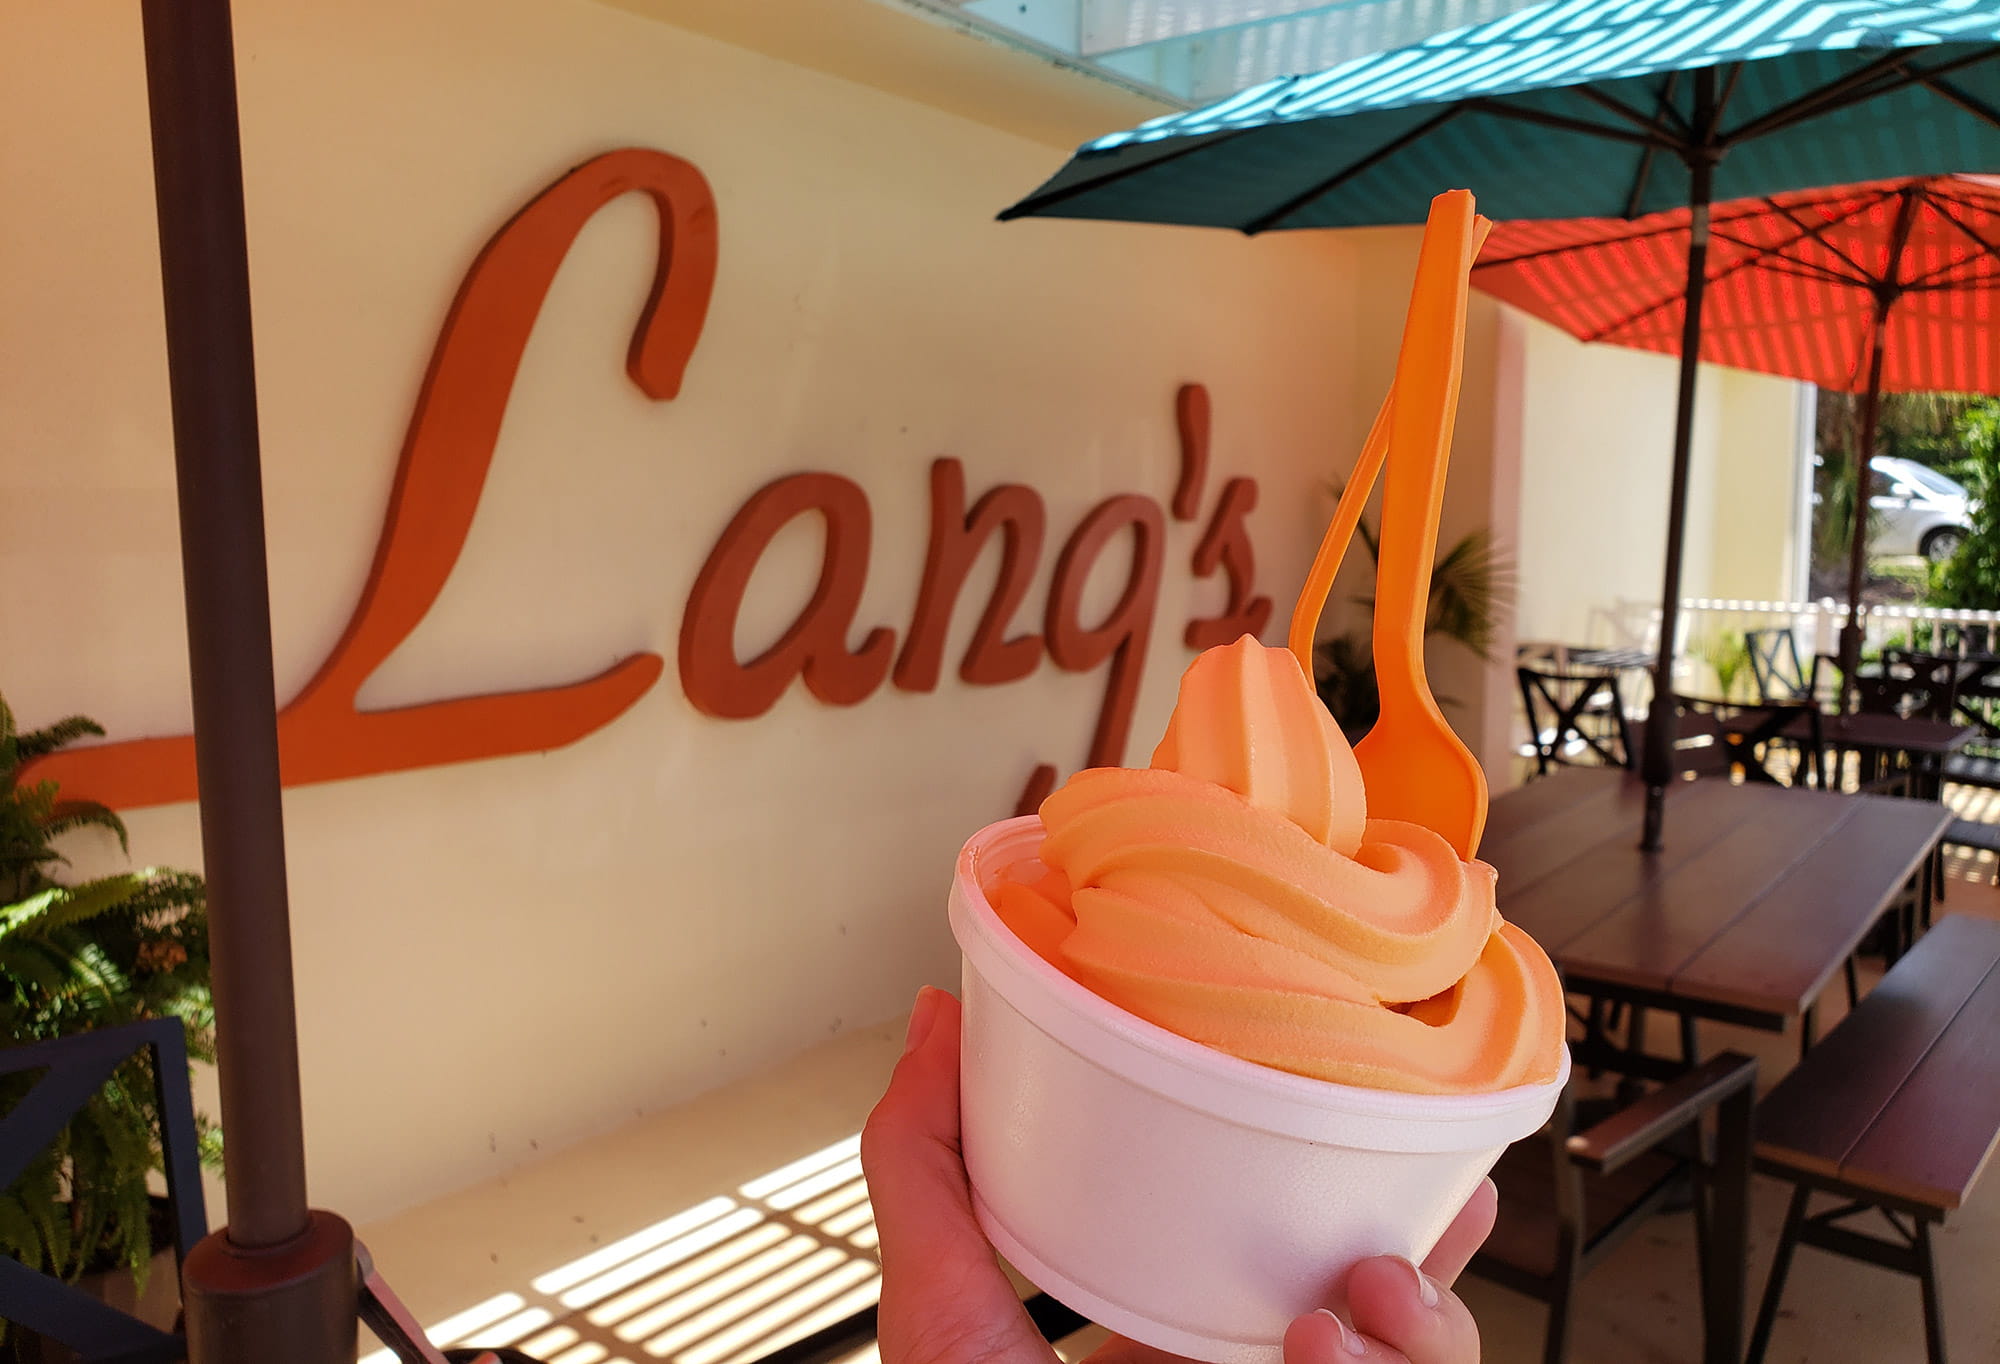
711	1233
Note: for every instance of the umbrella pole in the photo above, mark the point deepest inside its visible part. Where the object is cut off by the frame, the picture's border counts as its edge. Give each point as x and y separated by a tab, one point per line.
1660	717
1857	550
279	1281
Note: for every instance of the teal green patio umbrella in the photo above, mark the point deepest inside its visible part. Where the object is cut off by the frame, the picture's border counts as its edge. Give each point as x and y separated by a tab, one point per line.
1578	109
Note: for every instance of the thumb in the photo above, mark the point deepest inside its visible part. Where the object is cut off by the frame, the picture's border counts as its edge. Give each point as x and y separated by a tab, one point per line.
944	1295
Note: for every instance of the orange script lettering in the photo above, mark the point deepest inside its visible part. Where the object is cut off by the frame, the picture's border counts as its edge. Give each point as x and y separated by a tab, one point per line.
324	736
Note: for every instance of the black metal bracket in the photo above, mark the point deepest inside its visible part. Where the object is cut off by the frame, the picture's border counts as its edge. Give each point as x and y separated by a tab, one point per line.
76	1069
1909	1253
1823	1231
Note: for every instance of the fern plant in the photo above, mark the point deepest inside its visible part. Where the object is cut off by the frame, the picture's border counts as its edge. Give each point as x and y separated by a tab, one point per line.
76	957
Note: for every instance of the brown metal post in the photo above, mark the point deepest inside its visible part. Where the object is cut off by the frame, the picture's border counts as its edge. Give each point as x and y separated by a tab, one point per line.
1887	291
1857	549
1657	765
278	1282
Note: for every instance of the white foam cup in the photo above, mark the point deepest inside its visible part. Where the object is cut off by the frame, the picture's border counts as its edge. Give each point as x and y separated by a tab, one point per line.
1180	1196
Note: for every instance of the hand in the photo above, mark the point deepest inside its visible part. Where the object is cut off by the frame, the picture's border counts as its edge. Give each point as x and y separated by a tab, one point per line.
945	1299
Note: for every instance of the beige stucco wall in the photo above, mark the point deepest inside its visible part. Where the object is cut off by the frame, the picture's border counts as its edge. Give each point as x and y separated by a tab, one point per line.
1755	552
1596	461
498	958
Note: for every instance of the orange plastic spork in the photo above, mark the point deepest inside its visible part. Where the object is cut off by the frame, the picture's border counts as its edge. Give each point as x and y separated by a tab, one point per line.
1415	767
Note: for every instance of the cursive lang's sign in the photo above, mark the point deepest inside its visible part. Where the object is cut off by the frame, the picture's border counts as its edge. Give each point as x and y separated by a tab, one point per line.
324	736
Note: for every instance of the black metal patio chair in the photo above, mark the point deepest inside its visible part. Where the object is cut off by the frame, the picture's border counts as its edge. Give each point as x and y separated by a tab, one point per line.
1575	718
73	1070
1779	670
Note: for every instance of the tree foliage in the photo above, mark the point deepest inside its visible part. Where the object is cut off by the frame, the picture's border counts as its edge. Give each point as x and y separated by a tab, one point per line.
1970	579
1918	426
1924	427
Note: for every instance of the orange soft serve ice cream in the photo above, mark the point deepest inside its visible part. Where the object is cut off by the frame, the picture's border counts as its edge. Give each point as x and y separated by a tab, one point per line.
1235	892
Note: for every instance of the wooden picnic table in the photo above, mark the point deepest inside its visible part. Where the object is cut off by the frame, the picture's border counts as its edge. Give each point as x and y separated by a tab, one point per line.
1914	735
1759	897
1890	733
1924	744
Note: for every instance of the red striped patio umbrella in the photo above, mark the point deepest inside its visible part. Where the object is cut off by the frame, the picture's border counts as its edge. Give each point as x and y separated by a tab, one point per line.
1890	286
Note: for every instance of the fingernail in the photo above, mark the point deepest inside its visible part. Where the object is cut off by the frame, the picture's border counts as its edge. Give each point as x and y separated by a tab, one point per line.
1350	1341
923	1014
1427	1292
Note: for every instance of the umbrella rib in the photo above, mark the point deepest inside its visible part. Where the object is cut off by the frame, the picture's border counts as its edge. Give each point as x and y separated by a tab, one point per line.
1887	295
1817	232
1989	248
1816	273
1970	285
1952	189
1620	108
1667	229
1264	221
1728	93
1819	275
1571	125
1663	110
1035	203
1824	99
1543	252
1950	93
1760	259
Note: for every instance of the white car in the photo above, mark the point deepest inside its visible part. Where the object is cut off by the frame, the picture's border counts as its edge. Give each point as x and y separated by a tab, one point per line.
1917	510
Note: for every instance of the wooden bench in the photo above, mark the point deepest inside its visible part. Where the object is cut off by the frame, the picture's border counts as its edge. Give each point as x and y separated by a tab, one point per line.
1972	769
1897	1110
1972	833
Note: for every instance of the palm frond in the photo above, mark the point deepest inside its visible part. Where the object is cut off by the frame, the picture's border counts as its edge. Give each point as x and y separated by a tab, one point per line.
38	743
67	815
60	906
1469	589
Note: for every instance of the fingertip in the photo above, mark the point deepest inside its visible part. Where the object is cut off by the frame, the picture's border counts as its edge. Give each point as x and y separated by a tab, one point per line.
921	1097
1467	1232
1315	1338
1475	1220
1394	1302
923	1015
930	1046
1322	1338
1389	1289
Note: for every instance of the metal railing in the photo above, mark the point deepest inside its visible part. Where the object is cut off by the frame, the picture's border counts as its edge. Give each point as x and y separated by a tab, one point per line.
1817	625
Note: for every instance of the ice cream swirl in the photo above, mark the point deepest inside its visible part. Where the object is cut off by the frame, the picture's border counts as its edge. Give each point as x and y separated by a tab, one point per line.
1236	893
